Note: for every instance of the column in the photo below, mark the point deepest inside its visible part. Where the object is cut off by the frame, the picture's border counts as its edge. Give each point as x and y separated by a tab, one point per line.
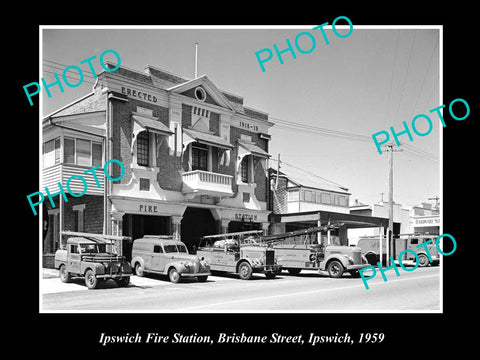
223	226
329	241
176	222
380	236
116	219
265	227
319	234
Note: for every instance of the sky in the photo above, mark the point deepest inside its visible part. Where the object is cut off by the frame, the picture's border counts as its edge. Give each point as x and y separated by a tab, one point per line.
361	84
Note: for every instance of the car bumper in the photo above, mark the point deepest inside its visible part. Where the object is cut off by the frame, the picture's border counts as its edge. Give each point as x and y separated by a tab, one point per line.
356	267
113	276
194	274
262	268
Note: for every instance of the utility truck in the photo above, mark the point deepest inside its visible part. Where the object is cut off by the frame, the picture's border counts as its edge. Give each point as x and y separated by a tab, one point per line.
370	246
92	257
300	250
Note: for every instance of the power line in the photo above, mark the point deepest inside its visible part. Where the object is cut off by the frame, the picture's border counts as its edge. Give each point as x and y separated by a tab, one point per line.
421	152
72	78
309	173
285	124
391	80
406	73
309	128
424	78
55	67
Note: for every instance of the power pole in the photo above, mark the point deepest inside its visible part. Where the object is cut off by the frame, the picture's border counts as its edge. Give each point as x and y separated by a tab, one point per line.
390	249
278	172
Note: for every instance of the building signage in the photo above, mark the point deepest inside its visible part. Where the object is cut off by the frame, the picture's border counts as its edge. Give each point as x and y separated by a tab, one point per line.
432	221
246	217
147	208
138	94
248	126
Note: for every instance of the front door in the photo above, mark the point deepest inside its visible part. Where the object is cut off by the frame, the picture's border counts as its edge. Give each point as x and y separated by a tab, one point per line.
74	259
158	258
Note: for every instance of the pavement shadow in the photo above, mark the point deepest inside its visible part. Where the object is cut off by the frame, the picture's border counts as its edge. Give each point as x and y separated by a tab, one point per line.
319	275
164	278
255	276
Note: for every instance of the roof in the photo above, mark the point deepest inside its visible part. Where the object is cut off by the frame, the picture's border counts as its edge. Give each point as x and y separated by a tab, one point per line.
150	124
172	82
82	240
304	178
164	239
208	139
252	148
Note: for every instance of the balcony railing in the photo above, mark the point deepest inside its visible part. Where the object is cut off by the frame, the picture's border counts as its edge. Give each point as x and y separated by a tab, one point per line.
202	182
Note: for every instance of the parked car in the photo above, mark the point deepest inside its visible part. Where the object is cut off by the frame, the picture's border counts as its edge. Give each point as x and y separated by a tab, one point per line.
87	257
161	254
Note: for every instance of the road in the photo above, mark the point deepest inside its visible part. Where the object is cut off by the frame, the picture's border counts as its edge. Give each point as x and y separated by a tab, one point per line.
416	291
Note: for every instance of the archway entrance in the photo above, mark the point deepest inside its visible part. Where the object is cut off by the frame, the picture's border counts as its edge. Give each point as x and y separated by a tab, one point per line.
196	222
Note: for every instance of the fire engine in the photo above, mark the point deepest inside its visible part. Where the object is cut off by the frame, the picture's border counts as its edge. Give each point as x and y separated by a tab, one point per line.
298	250
370	246
239	253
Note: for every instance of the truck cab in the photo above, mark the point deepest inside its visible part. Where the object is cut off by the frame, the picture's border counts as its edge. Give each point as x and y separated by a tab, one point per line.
371	248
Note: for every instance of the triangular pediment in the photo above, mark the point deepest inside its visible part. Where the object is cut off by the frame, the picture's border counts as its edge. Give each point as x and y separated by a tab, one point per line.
202	89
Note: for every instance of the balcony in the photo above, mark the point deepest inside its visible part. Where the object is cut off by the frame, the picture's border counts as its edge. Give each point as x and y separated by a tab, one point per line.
62	172
200	182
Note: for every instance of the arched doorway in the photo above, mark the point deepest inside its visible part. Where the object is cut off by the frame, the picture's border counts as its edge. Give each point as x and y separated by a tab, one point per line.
196	222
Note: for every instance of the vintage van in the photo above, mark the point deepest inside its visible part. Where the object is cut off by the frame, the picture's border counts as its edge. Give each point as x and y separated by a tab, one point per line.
161	254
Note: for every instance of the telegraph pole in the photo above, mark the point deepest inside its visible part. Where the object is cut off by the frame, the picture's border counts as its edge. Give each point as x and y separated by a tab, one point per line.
278	172
390	249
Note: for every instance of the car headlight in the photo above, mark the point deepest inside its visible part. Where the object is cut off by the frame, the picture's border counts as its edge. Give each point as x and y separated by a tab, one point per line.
349	258
186	264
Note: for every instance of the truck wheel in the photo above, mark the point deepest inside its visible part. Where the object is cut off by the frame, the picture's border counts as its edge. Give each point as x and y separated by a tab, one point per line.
355	273
270	274
202	278
335	269
124	281
245	271
422	260
64	274
173	275
139	269
90	279
372	258
294	271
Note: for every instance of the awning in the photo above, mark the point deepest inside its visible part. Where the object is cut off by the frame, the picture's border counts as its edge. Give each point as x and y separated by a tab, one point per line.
190	135
249	148
143	123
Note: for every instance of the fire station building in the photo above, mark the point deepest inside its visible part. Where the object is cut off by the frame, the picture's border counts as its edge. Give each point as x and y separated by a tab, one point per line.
195	159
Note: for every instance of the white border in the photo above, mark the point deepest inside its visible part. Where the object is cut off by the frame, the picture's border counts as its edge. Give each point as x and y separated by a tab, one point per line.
240	27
